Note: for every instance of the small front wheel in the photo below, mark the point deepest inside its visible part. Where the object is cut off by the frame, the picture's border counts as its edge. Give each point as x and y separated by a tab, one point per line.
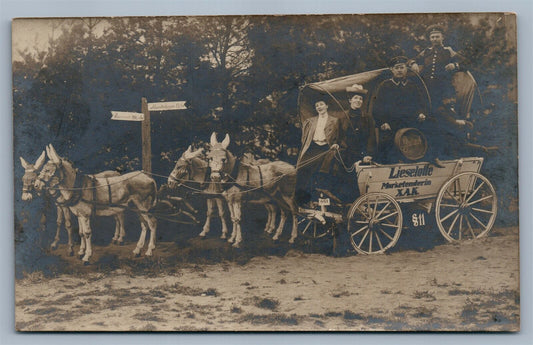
374	223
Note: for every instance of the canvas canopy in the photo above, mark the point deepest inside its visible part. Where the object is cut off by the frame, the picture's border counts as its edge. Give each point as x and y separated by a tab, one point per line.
333	92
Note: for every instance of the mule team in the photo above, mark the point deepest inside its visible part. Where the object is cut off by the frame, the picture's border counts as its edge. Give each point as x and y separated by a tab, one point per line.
217	173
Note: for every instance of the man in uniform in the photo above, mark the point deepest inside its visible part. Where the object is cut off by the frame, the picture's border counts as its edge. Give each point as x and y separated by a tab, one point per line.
438	63
398	103
445	130
320	138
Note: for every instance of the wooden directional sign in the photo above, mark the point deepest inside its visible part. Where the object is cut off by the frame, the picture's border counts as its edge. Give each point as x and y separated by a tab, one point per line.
160	106
127	116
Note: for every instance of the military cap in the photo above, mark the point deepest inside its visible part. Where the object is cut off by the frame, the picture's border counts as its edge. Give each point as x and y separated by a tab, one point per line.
356	89
397	59
434	29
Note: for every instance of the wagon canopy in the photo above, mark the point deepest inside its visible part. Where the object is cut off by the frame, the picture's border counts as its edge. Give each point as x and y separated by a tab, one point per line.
333	91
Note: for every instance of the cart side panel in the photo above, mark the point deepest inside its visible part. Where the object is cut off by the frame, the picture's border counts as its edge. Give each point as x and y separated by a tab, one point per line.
415	181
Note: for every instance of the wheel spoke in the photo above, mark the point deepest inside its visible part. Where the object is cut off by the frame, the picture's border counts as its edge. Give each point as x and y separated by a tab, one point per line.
364	238
480	200
363	212
460	226
358	231
451	226
370	245
448	205
449	215
387	235
306	227
469	226
383	209
481	210
387	216
375	207
475	191
360	221
314	229
453	197
379	241
389	225
477	220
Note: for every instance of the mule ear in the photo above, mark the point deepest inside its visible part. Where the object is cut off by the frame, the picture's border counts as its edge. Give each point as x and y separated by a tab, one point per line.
213	141
225	142
197	152
51	152
40	161
25	164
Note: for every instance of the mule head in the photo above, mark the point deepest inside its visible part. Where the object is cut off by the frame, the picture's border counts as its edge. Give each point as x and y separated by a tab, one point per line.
219	159
185	168
52	173
30	176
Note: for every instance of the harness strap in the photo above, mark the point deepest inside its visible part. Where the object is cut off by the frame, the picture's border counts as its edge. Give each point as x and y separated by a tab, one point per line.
260	176
109	190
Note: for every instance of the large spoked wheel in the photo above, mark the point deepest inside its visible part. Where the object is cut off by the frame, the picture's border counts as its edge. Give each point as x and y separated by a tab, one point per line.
374	223
466	207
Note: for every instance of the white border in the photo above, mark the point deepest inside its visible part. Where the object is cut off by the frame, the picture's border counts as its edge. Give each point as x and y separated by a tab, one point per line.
33	8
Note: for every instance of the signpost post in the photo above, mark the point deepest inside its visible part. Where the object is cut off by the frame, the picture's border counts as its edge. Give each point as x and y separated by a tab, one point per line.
146	126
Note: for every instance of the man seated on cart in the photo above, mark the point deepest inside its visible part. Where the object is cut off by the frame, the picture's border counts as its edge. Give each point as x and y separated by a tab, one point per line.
321	136
397	103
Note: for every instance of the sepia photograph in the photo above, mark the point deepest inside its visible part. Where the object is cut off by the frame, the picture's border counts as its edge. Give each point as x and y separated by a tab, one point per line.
311	173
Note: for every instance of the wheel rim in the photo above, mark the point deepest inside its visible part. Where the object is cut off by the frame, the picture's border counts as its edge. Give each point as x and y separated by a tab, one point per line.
466	207
374	223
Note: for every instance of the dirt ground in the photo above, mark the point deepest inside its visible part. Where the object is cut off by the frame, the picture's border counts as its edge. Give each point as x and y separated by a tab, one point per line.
472	286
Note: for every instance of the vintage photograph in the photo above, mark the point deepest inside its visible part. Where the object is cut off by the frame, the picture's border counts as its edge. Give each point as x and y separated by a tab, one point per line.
354	172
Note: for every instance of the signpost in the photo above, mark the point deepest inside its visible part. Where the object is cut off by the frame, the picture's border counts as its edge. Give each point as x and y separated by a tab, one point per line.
146	127
126	116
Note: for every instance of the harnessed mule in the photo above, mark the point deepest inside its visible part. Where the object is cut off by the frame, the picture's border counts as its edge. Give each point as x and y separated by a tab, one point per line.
275	180
87	196
63	213
191	168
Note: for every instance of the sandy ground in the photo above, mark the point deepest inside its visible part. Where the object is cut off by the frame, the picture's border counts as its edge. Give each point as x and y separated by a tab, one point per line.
470	286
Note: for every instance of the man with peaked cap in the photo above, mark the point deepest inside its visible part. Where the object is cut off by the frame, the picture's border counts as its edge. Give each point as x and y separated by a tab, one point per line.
321	135
397	103
438	63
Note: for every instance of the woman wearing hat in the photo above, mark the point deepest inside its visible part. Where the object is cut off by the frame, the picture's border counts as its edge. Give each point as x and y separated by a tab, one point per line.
360	134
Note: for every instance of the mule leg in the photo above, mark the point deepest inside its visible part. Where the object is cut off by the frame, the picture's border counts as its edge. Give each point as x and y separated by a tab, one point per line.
237	223
271	220
86	221
59	221
68	226
152	224
231	208
142	238
81	252
210	210
289	200
281	225
222	215
120	233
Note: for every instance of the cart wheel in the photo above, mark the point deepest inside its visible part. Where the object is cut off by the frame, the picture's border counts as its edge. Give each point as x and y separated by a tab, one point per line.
313	228
466	207
374	223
